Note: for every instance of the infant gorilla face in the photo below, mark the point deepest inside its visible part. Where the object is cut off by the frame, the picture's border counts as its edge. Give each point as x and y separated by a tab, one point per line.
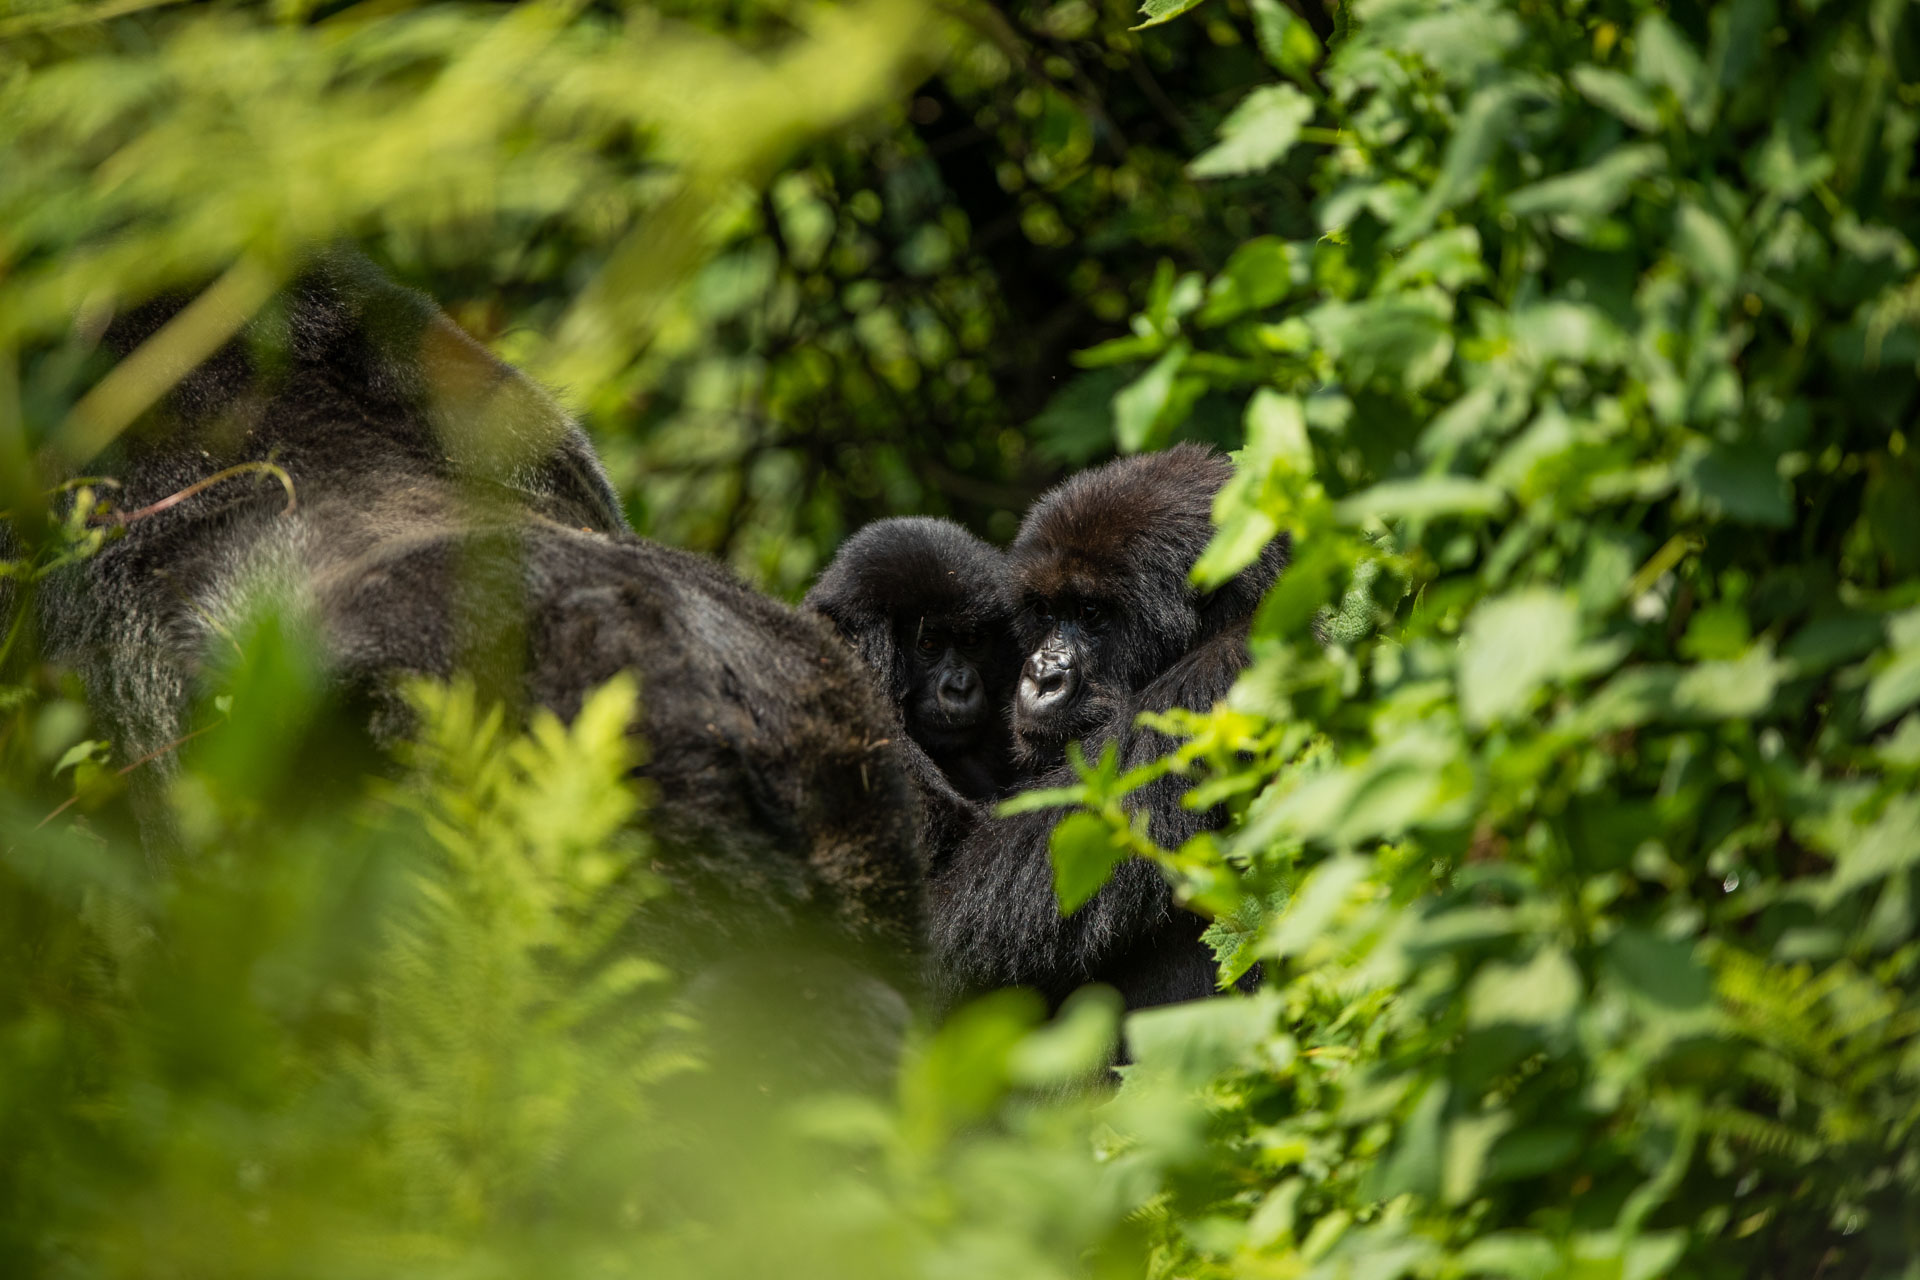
946	695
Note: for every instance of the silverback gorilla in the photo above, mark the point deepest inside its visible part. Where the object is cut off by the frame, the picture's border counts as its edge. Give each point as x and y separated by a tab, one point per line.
1111	628
449	516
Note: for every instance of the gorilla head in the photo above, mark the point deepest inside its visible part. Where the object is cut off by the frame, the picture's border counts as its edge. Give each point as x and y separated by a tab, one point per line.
1102	598
924	602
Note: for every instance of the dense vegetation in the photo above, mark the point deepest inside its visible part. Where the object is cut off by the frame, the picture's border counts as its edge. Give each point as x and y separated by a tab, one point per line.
1574	781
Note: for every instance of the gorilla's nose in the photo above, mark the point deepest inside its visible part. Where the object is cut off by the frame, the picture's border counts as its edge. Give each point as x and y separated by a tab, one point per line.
960	694
1048	680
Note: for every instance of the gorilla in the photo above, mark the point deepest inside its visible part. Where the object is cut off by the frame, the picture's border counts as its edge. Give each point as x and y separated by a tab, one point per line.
924	604
1112	628
450	517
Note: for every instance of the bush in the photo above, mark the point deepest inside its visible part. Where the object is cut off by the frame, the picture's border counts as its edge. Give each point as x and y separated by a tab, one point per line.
1573	784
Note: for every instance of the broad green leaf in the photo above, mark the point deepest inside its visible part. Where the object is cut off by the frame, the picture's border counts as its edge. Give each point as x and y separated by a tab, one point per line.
1728	690
1512	1255
1084	855
1663	57
1741	483
1078	1041
1660	969
1257	134
1543	992
1597	189
1315	905
1706	246
1259	274
1829	640
89	749
1201	1038
1413	1167
1423	499
1405	339
1894	688
1450	258
1276	428
1470	149
1620	94
1888	845
1469	1140
1237	543
1138	406
1570	331
1510	648
1286	40
1159	11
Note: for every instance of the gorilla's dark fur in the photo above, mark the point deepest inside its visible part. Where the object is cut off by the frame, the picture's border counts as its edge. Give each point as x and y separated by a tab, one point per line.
1112	628
925	605
450	516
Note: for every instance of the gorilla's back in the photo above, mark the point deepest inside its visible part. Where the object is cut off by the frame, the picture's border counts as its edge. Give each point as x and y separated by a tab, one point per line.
450	515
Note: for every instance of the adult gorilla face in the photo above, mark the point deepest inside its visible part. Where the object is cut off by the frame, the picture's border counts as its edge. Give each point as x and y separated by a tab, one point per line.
1067	681
1099	572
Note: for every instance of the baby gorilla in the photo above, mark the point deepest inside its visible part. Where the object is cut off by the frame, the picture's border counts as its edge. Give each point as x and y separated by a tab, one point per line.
925	605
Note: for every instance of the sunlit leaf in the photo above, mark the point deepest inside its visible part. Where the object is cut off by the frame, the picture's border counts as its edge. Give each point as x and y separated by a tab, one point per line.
1256	134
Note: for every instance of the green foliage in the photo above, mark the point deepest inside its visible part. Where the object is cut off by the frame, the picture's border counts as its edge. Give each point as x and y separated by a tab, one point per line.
1582	869
1569	795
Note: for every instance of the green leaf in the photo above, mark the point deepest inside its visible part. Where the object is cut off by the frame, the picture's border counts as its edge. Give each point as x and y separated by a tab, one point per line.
1595	190
1449	258
1314	906
1159	11
1258	133
1404	338
1414	1165
1889	845
89	749
1287	42
1543	992
1243	534
1193	1041
1138	407
1423	499
1618	94
1663	57
1276	428
1741	483
1469	152
1076	426
1514	1255
1512	646
1660	969
1085	853
1259	274
1728	690
1894	688
1079	1041
1706	246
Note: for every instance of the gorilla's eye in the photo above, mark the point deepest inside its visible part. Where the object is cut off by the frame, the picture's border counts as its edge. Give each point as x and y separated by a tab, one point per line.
927	643
1043	613
1090	612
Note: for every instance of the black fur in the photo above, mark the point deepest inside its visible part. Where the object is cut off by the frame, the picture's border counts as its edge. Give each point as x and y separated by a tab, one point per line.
450	516
1099	574
925	605
919	598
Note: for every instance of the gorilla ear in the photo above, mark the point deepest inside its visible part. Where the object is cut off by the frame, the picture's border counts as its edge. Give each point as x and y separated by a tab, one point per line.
880	650
863	623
